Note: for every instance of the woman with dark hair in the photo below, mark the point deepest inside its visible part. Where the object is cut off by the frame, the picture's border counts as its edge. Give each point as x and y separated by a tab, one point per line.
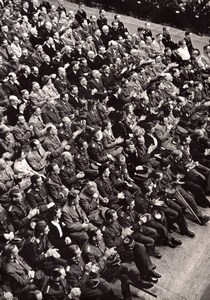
58	232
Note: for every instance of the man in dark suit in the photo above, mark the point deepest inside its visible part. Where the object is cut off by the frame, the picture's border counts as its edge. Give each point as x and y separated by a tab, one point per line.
74	100
11	86
97	39
18	273
96	84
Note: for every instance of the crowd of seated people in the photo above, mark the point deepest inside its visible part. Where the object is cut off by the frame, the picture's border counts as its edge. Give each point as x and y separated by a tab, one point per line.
104	151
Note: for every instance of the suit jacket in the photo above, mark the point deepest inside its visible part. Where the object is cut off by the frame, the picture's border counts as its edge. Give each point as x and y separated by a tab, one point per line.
17	273
75	102
38	197
37	160
11	89
64	109
51	115
73	218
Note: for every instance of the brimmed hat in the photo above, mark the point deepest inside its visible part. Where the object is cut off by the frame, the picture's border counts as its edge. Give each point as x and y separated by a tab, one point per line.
46	78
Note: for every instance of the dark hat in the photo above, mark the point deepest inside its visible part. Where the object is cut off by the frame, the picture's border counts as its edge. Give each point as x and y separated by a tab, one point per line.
95	130
71	196
102	168
46	78
4	129
128	243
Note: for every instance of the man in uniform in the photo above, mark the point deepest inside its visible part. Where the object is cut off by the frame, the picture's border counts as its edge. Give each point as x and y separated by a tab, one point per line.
109	263
116	236
129	218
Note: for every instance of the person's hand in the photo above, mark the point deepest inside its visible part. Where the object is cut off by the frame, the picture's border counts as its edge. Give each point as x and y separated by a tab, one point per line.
126	232
8	296
51	204
80	175
48	253
33	212
105	200
85	225
64	144
7	236
31	274
110	156
119	140
139	168
95	269
65	192
121	195
67	240
75	293
88	267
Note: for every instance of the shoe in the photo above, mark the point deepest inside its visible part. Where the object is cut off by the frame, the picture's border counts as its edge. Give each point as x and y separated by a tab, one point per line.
189	233
153	266
142	284
204	220
171	245
176	241
156	254
152	279
154	274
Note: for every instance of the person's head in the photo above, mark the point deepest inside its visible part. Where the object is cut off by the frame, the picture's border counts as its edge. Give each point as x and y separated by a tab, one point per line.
83	81
159	37
91	187
74	90
58	274
97	134
12	77
75	65
55	213
104	171
46	59
131	146
129	108
129	203
35	144
10	252
5	29
95	236
106	125
105	29
15	40
35	295
62	72
36	181
21	119
35	71
25	52
82	144
182	43
73	198
16	195
110	216
53	169
73	253
67	157
120	159
102	12
41	229
19	154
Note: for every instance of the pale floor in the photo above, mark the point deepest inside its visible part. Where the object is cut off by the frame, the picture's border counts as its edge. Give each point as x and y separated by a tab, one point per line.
185	270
